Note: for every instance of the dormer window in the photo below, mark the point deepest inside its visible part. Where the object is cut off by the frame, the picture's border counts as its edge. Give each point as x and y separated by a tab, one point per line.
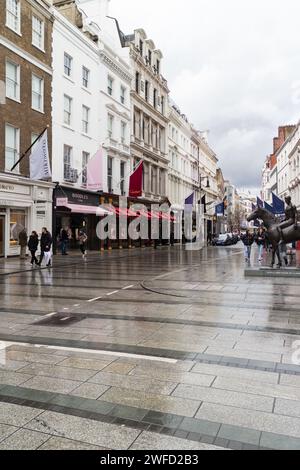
141	47
158	66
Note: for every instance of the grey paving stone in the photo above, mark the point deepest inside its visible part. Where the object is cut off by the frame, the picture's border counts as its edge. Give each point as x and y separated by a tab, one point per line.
277	441
17	415
6	430
237	433
163	403
51	384
96	406
152	441
287	407
85	363
23	439
27	394
59	372
200	426
85	430
163	419
60	443
214	395
90	390
128	412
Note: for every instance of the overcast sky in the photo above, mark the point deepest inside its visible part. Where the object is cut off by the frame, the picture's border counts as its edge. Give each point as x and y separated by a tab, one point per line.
233	67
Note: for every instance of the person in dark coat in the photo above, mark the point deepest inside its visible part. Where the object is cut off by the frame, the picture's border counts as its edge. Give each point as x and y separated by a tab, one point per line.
260	239
33	246
46	243
64	238
248	240
23	239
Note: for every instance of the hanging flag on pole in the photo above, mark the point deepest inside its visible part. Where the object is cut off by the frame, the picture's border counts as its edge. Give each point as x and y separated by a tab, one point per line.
136	182
278	205
220	209
39	159
94	173
189	202
260	203
269	208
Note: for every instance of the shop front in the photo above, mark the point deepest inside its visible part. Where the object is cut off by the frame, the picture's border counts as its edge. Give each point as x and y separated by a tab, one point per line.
75	210
23	204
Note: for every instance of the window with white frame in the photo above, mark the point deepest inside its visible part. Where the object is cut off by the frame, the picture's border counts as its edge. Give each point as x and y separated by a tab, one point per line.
13	15
37	101
85	77
85	160
68	62
38	32
67	161
110	85
67	110
12	81
123	95
85	119
110	125
110	174
12	147
34	136
123	132
122	177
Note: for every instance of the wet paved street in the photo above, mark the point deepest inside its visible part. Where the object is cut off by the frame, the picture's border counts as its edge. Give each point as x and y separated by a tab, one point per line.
148	349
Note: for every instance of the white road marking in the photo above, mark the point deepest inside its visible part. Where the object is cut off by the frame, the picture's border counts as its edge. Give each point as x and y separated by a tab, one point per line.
76	305
50	314
112	293
66	308
94	300
64	319
128	287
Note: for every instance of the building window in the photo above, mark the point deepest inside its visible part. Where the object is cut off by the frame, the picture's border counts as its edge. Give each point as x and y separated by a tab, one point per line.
149	57
123	132
137	82
110	174
110	85
85	77
16	224
67	162
110	125
85	160
38	32
155	98
157	66
141	48
123	95
12	81
122	177
162	105
85	119
13	15
37	93
12	147
146	90
67	110
68	65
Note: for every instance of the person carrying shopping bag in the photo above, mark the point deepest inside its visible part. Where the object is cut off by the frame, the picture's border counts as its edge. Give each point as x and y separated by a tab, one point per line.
82	237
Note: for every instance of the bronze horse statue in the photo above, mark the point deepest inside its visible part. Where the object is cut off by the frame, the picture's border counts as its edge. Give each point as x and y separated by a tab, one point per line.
289	234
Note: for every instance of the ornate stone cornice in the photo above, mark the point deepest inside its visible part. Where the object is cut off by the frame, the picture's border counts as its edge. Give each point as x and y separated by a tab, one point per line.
112	65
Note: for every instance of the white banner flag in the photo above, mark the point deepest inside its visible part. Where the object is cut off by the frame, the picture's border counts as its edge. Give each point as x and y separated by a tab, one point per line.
39	159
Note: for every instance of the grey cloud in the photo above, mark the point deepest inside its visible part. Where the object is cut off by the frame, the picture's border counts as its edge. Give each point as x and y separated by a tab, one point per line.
233	67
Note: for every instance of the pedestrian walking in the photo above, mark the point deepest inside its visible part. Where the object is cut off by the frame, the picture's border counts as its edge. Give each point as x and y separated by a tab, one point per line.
23	239
82	237
248	240
46	243
33	244
63	238
260	239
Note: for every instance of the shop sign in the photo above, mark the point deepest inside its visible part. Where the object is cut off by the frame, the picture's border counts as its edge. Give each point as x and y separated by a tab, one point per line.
77	197
61	201
14	188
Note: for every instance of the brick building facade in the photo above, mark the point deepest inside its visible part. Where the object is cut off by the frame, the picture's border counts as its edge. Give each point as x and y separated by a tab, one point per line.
25	110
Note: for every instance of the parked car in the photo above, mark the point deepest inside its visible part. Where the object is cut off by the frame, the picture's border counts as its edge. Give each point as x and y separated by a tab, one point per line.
223	240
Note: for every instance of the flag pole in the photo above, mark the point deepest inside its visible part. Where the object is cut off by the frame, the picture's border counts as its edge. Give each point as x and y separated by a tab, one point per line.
29	148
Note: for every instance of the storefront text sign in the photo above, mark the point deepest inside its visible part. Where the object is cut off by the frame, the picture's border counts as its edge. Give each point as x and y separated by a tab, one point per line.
62	201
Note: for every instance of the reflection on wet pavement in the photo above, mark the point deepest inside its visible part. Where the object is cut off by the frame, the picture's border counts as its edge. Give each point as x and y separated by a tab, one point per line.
148	348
